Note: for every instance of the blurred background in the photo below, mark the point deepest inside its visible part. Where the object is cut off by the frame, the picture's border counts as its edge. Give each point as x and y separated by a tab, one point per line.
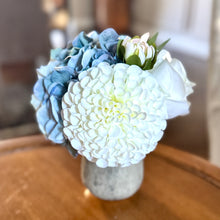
29	28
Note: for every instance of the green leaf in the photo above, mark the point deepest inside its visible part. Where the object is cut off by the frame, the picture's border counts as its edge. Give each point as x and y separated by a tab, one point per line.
120	50
148	64
133	60
136	36
153	39
161	46
118	47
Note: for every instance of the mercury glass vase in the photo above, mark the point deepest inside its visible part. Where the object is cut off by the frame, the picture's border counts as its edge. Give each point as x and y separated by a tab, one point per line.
112	183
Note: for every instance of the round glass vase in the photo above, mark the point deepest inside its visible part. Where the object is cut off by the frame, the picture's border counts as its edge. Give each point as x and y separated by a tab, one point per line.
112	183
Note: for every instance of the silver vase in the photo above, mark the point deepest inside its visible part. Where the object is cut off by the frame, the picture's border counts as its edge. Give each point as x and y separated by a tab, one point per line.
112	183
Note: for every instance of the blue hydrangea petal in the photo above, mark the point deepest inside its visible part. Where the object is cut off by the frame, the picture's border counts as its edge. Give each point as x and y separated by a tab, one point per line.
122	37
94	35
35	102
74	51
42	117
96	62
49	126
39	90
65	65
60	77
63	54
67	69
56	135
87	57
55	107
46	83
108	40
81	40
43	71
55	53
112	47
99	52
105	57
75	61
56	89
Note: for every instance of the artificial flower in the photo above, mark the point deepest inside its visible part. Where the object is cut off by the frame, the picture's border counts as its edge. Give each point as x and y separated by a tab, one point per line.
108	96
138	46
141	51
65	64
172	78
114	115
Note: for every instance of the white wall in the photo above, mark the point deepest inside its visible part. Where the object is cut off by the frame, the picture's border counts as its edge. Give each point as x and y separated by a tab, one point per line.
186	22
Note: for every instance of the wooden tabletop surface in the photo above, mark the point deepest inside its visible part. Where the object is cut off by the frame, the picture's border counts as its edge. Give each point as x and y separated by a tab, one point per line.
39	180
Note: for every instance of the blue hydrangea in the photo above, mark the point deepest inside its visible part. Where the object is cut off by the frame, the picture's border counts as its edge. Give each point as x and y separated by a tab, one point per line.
84	52
89	52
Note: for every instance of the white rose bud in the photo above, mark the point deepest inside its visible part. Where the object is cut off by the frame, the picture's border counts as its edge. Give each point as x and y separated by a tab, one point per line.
138	46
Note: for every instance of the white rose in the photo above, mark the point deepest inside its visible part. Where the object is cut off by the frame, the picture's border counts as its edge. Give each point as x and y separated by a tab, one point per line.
172	78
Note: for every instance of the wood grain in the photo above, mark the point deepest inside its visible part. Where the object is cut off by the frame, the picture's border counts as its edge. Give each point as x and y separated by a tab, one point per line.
112	13
40	180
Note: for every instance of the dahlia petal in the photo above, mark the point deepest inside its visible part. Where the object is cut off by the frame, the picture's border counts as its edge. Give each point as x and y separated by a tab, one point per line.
101	163
116	113
76	144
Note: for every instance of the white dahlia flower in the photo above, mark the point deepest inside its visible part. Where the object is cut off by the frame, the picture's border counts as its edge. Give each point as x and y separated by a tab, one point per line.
114	115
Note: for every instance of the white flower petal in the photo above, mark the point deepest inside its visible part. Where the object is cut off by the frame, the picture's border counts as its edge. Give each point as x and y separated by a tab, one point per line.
176	108
67	101
94	73
74	120
114	131
76	144
76	89
84	82
130	49
145	37
141	55
127	38
170	81
174	83
86	92
150	52
108	120
82	75
102	163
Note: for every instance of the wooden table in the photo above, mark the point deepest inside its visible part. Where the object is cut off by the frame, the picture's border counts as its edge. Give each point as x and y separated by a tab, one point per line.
39	180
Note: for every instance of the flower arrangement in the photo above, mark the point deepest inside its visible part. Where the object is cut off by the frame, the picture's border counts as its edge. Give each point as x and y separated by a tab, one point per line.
108	96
